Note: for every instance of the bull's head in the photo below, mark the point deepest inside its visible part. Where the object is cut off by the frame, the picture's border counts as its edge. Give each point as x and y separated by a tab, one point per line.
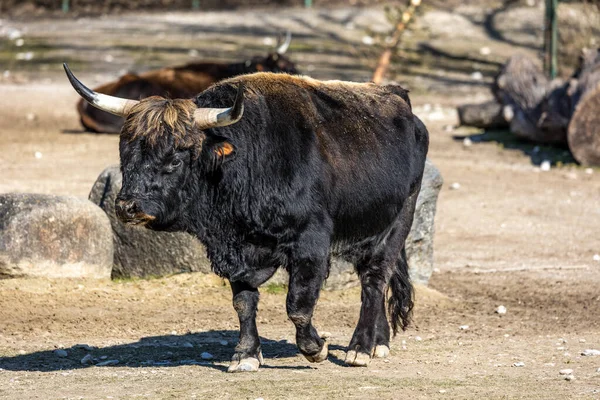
276	61
161	143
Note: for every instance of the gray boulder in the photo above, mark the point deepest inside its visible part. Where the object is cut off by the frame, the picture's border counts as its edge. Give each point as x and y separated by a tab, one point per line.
53	237
140	252
419	244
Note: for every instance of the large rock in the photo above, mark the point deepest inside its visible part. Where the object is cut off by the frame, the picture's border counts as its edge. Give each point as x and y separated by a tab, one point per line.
140	252
53	237
419	244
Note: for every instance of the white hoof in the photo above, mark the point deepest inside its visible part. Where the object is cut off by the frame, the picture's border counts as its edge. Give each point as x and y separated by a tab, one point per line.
357	358
321	356
381	351
249	364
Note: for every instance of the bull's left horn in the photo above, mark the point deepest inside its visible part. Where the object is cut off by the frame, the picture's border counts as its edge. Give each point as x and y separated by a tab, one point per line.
111	104
285	45
215	117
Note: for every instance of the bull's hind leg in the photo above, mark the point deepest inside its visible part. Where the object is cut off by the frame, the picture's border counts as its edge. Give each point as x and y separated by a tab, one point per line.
372	330
384	267
308	269
248	355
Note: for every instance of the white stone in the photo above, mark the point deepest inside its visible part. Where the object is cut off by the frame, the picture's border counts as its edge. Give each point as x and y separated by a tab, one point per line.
19	42
188	345
590	352
206	356
485	51
596	257
501	310
463	327
38	154
477	76
193	53
418	338
545	165
519	364
567	371
27	56
467	142
223	342
589	171
570	378
455	186
368	40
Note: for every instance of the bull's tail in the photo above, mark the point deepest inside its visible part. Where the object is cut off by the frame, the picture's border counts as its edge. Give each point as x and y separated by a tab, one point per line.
400	302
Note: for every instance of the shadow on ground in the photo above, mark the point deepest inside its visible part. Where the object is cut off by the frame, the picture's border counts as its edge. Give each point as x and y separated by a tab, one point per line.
157	351
538	153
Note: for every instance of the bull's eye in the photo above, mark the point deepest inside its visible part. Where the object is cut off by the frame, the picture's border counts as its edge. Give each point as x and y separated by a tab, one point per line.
175	163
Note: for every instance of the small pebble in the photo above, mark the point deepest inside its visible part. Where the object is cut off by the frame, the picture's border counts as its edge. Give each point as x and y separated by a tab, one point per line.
519	364
103	357
206	356
455	186
107	363
448	128
467	142
569	378
581	340
501	310
38	154
598	370
567	371
193	53
418	338
485	51
188	345
368	40
477	76
223	342
87	359
109	58
85	347
596	257
442	390
19	42
590	352
463	327
545	165
589	171
61	353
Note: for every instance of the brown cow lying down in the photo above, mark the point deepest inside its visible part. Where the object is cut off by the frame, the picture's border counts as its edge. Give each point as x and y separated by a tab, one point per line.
176	82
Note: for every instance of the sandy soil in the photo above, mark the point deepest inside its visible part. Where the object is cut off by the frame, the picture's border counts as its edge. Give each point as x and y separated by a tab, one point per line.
511	235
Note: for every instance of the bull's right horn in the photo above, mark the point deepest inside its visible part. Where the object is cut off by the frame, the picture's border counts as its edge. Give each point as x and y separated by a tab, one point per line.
111	104
281	49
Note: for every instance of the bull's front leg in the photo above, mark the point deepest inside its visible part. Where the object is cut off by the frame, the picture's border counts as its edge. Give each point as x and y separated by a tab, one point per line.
248	355
307	273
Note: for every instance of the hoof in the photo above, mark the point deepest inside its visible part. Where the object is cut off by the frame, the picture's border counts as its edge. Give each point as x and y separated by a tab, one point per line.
381	351
357	358
248	364
321	356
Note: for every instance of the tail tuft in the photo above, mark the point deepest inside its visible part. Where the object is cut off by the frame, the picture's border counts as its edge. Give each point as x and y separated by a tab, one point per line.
400	302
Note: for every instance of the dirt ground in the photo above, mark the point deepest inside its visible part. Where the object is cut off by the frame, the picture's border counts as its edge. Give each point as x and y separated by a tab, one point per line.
510	235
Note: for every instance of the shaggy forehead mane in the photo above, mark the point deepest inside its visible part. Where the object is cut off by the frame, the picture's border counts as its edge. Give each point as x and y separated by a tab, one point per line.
156	118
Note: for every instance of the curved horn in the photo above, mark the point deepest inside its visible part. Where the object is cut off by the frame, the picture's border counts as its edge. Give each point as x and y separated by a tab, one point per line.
111	104
215	117
284	47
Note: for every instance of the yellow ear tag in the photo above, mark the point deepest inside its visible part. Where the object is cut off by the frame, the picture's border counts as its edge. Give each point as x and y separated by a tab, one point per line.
224	149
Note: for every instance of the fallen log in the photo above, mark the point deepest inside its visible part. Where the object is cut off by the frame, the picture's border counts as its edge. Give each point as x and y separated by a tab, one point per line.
485	116
584	127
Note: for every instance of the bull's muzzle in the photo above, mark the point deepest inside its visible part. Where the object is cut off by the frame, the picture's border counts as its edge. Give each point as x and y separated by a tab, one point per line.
130	213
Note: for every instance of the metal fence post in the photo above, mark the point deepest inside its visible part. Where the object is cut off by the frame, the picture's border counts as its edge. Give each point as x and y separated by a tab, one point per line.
65	6
195	4
551	38
308	3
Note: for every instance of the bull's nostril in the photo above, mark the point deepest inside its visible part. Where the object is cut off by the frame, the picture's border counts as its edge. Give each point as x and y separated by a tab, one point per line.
126	208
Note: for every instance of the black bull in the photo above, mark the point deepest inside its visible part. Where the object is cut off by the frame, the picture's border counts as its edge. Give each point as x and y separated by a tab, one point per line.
295	171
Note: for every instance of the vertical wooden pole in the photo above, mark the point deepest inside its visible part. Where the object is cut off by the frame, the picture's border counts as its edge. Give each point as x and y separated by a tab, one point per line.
551	39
